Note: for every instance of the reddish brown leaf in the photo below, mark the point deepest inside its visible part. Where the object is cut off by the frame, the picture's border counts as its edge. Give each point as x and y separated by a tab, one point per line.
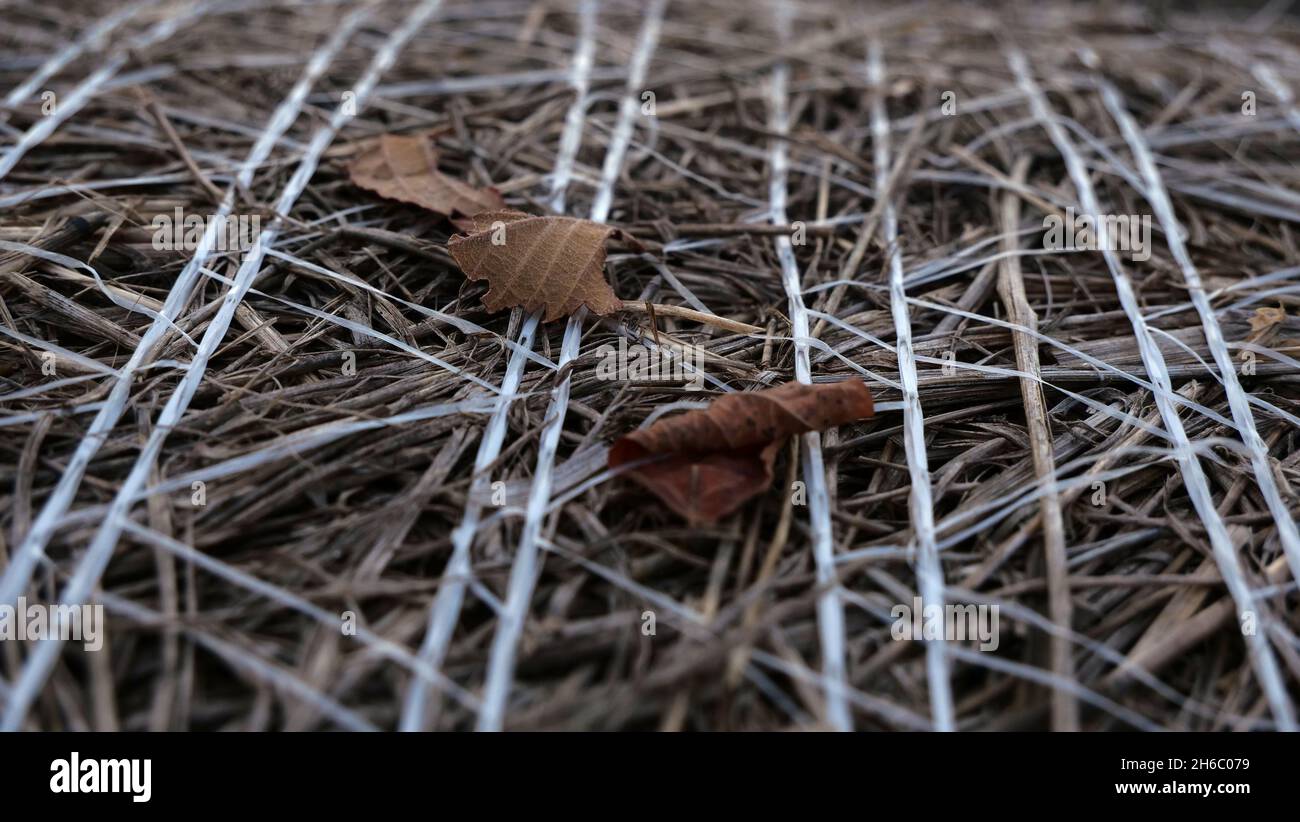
554	264
721	456
405	167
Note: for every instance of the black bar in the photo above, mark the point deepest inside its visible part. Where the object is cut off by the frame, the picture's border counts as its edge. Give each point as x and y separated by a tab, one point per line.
989	772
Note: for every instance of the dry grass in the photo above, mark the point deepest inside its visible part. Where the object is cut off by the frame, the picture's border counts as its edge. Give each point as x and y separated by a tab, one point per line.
521	604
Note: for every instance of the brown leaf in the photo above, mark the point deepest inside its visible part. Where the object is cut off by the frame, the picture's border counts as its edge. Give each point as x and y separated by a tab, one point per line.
551	263
1264	318
721	456
405	167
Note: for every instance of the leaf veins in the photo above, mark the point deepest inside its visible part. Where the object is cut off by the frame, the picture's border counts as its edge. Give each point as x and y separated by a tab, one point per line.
551	264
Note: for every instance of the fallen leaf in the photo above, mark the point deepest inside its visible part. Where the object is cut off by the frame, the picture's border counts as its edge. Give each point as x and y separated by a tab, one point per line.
1265	318
551	263
721	456
405	168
